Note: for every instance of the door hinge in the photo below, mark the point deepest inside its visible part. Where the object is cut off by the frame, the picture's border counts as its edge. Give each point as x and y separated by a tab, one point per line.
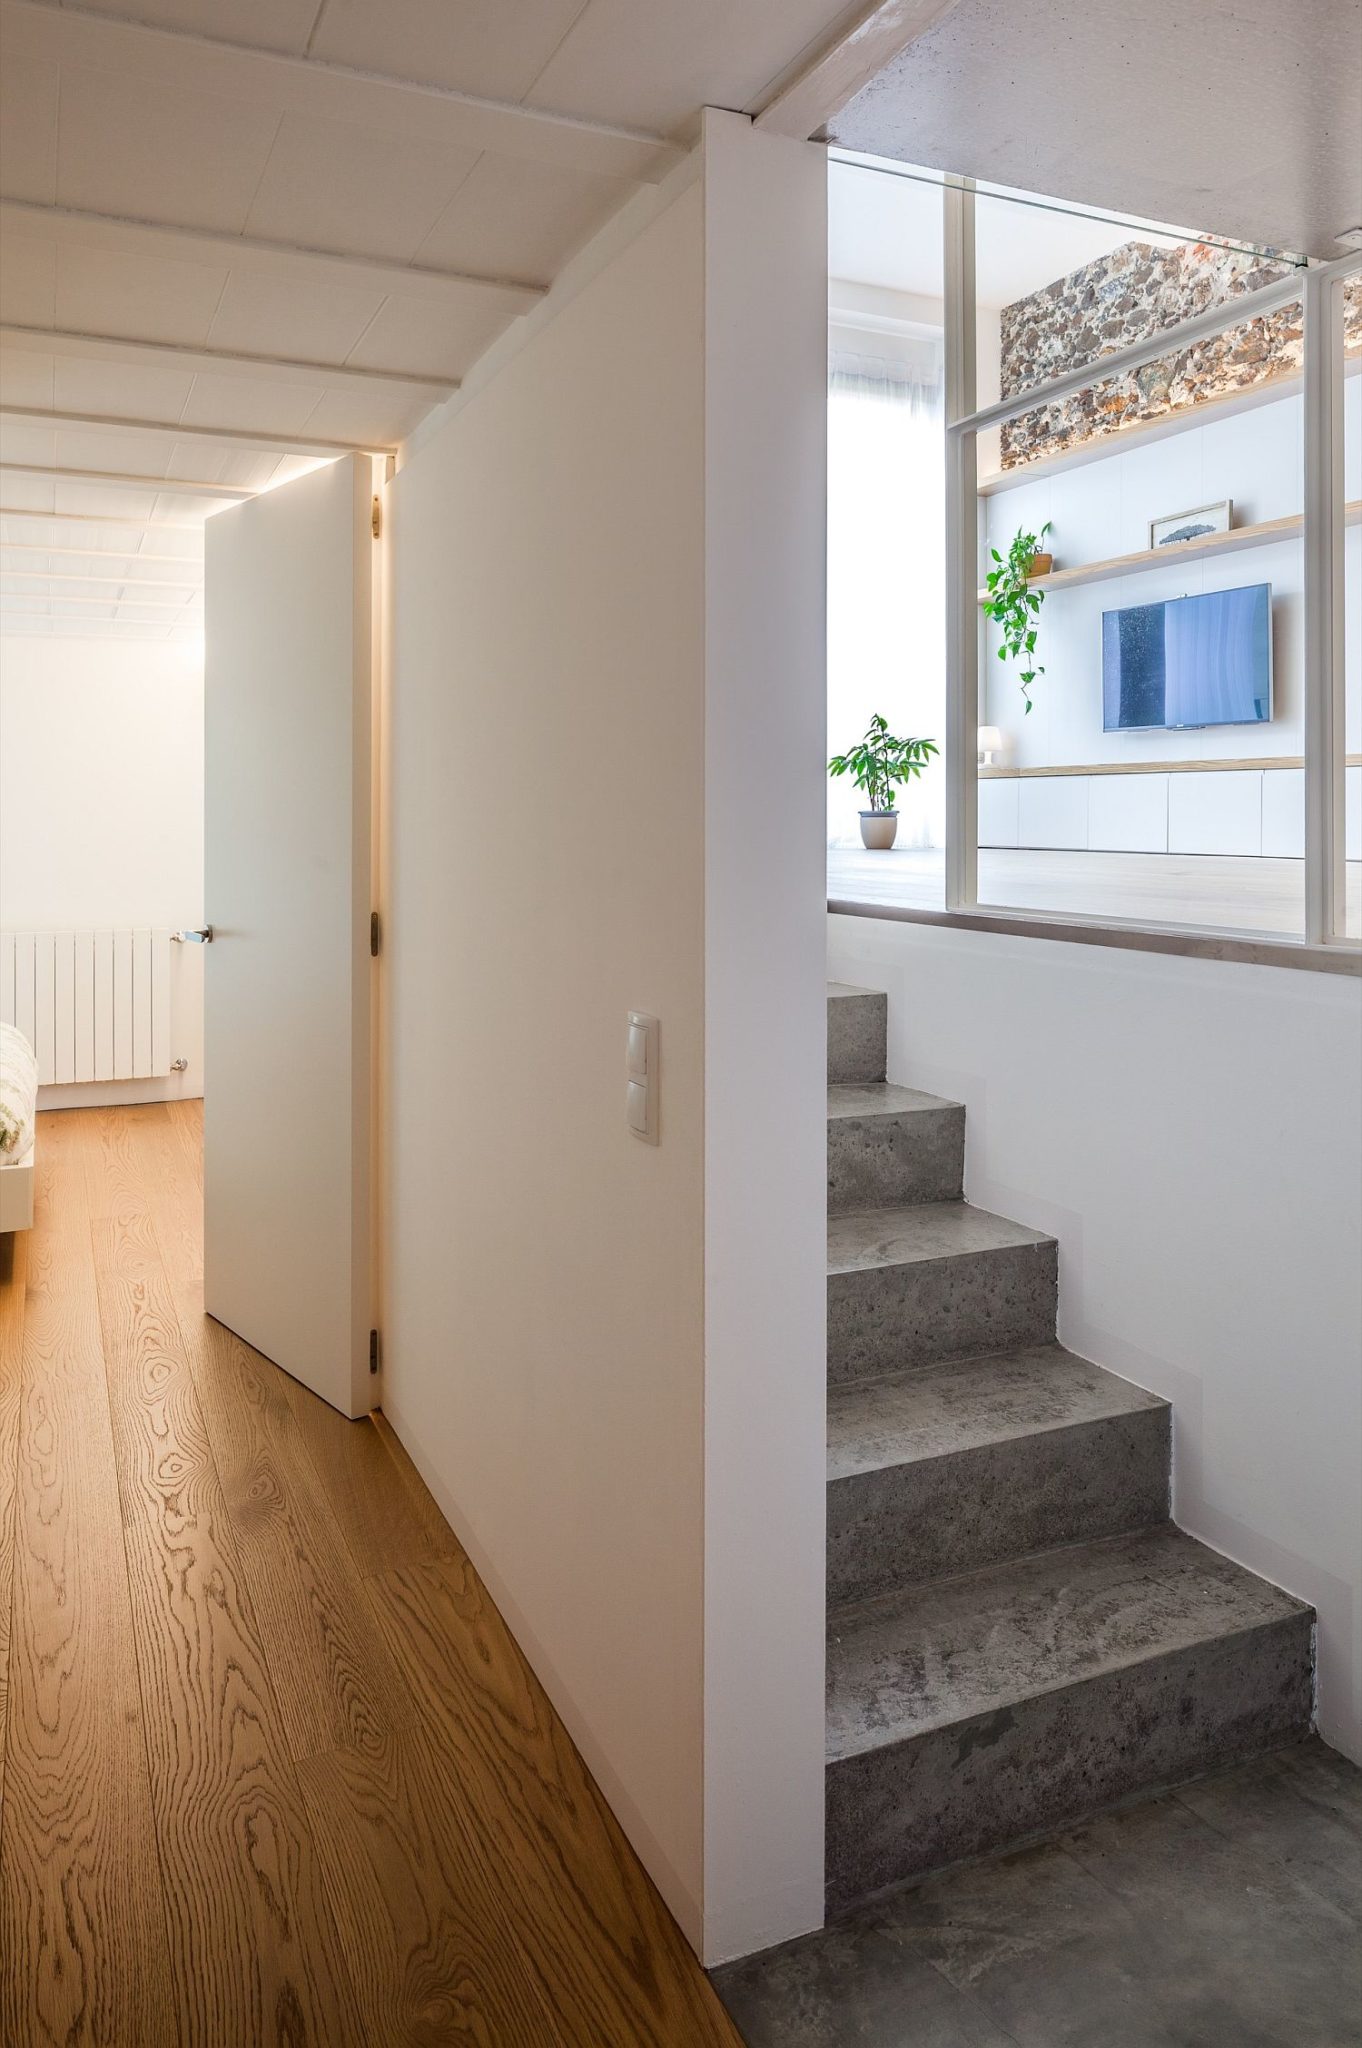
373	1350
376	518
375	934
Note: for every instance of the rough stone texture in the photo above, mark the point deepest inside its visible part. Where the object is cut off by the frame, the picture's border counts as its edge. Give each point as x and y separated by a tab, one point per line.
942	1280
983	1709
888	1144
1124	298
857	1033
945	1470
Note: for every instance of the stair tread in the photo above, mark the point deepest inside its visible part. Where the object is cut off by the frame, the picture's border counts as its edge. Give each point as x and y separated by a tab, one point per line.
932	1412
861	1239
948	1650
881	1098
848	988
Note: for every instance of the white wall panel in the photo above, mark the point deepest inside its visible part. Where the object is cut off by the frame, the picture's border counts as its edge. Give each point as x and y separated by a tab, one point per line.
103	831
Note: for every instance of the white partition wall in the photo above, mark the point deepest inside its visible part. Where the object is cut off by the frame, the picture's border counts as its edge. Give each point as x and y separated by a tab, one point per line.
101	832
606	1356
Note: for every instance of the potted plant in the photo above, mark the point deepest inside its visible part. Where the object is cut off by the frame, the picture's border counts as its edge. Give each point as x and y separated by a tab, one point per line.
1014	606
879	764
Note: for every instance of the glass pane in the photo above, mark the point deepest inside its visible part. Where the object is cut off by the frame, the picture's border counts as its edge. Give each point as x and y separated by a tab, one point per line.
1057	288
1159	775
886	566
1352	601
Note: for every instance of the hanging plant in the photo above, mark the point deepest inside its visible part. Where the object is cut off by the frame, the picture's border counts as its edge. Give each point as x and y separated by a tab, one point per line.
1014	606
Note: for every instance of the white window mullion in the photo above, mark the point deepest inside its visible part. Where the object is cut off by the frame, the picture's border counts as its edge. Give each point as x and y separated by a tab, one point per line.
1324	619
962	555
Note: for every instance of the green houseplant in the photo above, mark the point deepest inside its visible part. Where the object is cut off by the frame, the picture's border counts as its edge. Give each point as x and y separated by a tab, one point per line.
1014	606
878	765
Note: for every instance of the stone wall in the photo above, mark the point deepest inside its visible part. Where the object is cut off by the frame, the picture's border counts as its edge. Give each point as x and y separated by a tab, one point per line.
1123	298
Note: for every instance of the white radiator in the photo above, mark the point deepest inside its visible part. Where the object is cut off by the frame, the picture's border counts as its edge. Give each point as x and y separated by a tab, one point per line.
95	1006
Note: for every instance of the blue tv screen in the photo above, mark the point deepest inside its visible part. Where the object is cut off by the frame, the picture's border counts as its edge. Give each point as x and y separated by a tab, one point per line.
1192	661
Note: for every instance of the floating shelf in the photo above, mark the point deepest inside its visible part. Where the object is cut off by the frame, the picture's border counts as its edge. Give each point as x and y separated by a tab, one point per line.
1229	543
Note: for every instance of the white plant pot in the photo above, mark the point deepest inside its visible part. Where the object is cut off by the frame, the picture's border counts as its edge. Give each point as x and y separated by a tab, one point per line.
879	830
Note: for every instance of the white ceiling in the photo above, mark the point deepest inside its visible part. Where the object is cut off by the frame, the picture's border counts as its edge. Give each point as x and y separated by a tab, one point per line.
292	226
1242	117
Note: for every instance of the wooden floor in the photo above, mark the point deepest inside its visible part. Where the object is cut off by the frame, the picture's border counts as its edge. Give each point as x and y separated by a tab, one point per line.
273	1769
1237	895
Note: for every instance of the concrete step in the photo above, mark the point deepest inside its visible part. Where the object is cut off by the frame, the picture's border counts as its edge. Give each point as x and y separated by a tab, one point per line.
974	1712
858	1023
923	1284
888	1144
963	1465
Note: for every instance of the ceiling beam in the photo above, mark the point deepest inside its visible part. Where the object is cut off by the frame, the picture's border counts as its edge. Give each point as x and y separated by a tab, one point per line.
100	519
234	437
194	563
151	628
146	604
296	260
189	583
174	355
125	480
819	83
183	62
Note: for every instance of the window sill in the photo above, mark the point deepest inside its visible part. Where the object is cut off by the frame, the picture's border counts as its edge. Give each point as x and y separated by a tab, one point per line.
1344	957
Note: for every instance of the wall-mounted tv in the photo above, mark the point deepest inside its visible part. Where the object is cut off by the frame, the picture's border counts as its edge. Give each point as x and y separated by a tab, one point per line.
1203	660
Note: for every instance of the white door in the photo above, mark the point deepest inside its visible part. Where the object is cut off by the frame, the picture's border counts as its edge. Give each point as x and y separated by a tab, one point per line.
288	598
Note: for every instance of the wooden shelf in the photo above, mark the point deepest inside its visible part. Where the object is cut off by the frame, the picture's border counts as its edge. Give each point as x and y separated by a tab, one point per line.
1235	765
1230	543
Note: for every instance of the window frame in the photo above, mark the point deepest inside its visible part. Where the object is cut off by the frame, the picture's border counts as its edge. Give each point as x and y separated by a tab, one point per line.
1323	941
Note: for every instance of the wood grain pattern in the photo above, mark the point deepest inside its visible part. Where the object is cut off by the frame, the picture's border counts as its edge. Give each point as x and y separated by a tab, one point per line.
611	1959
335	1681
83	1926
254	1792
252	1943
426	1925
114	1156
13	1288
383	1508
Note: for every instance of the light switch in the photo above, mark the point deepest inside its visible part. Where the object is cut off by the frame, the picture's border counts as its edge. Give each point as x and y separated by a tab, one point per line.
641	1070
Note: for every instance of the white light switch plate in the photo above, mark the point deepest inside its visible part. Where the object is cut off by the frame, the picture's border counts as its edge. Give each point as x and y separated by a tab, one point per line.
641	1076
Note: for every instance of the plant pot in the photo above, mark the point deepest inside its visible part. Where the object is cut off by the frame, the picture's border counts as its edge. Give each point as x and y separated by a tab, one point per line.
1041	565
879	830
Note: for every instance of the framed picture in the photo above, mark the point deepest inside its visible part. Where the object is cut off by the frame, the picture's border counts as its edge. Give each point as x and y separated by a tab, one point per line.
1192	525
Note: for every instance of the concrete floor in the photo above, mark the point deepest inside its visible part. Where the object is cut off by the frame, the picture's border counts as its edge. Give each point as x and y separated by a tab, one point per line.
1227	1914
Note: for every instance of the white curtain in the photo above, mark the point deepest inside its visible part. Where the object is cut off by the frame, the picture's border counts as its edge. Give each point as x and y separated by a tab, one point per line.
886	572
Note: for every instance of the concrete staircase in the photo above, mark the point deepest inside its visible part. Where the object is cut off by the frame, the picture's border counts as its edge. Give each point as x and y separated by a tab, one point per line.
1017	1633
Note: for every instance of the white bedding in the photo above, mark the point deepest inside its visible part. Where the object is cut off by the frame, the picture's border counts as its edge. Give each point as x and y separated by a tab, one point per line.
18	1095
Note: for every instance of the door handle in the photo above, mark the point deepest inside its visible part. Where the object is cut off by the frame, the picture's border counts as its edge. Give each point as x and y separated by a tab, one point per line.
201	936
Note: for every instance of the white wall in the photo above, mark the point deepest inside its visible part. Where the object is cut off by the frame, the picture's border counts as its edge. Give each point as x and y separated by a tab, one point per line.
1191	1132
607	1359
101	810
1102	508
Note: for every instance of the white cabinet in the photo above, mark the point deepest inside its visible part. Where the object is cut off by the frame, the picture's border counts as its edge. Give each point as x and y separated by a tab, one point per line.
998	812
1216	812
1052	810
1284	813
1128	813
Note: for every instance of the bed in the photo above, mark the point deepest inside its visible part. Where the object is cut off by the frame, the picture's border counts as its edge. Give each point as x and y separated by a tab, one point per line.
18	1107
